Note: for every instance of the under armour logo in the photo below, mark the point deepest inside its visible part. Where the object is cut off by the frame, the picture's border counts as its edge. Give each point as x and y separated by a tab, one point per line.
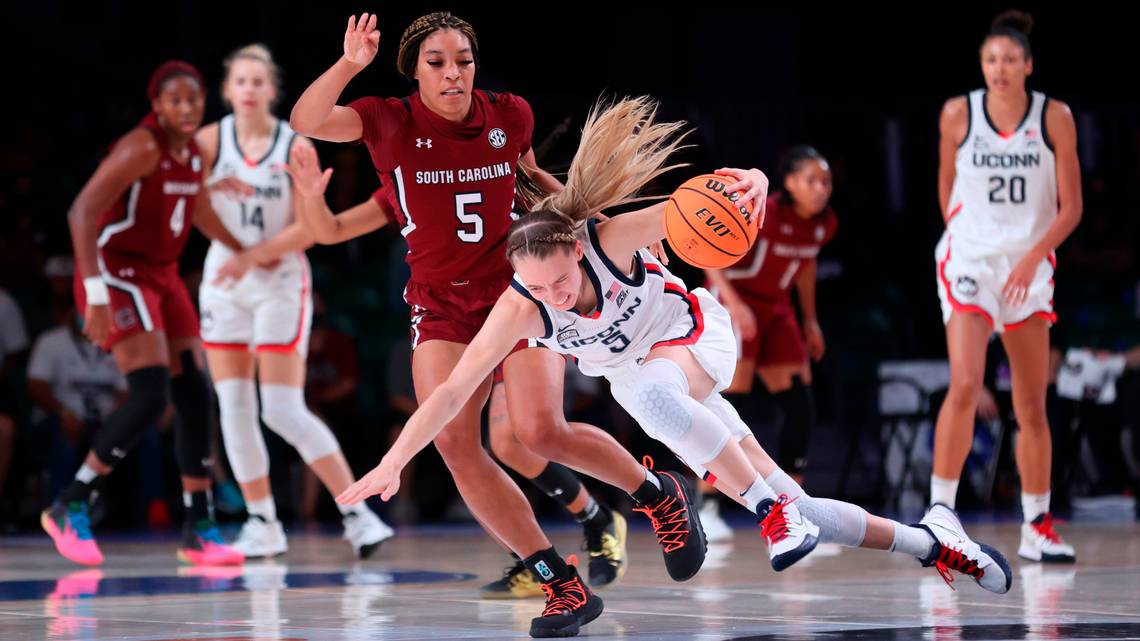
423	142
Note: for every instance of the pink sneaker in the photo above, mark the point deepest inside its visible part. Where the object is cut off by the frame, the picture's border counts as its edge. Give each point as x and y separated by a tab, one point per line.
70	530
203	546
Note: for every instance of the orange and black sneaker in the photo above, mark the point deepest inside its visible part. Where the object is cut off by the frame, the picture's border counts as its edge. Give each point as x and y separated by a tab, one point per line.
677	525
569	606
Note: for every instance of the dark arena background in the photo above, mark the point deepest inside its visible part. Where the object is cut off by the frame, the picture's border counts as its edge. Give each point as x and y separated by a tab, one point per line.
863	85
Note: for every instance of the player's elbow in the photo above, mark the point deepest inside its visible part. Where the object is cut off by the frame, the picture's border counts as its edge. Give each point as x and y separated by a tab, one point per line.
79	215
303	123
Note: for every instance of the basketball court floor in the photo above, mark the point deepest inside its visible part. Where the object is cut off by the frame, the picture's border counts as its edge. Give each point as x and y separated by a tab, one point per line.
423	584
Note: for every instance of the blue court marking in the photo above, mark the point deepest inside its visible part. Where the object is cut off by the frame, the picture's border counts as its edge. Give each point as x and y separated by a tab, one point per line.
1104	631
215	580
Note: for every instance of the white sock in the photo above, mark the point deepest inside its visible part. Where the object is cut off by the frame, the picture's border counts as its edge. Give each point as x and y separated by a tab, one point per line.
839	522
346	510
265	508
1034	505
86	474
944	491
758	491
914	541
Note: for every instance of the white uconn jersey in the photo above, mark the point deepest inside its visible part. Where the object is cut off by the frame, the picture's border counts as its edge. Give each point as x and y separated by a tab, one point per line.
1005	187
634	313
269	210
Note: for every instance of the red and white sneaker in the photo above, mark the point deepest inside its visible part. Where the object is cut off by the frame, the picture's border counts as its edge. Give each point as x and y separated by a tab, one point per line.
790	536
1040	543
954	550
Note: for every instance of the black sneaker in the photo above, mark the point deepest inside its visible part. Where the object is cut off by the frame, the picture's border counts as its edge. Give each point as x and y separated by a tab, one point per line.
606	547
569	606
678	527
518	582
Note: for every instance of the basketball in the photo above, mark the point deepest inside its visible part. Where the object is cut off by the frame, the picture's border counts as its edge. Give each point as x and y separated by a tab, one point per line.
705	226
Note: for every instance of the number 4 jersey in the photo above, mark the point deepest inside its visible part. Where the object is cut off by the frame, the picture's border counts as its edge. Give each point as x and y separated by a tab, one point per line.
140	239
151	221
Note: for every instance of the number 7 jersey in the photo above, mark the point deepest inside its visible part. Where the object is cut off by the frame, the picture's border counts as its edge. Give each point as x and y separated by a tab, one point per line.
452	184
1005	186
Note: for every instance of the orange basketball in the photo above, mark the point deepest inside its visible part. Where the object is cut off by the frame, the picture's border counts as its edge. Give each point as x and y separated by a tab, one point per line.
705	226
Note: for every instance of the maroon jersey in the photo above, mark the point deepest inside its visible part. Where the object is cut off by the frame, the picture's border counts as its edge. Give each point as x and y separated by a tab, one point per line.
784	244
452	184
151	221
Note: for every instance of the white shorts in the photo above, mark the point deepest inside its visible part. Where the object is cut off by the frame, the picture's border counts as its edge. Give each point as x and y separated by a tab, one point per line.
267	310
714	346
973	284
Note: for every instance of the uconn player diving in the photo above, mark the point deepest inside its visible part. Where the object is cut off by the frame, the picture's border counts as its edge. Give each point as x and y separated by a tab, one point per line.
586	289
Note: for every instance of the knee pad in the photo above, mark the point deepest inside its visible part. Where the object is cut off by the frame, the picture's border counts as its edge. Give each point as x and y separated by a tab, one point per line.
191	393
241	432
283	409
662	406
148	393
728	415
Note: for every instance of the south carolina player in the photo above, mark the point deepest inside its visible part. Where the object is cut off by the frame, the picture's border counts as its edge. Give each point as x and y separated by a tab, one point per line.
757	291
1009	183
128	226
257	318
667	352
448	156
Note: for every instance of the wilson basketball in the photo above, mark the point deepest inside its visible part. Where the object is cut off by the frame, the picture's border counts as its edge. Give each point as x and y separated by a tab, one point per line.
705	226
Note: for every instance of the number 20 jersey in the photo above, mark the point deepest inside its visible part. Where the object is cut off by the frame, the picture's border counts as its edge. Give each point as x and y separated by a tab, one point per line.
1004	196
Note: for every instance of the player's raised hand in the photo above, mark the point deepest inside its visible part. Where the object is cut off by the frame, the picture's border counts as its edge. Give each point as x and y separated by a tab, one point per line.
361	39
305	169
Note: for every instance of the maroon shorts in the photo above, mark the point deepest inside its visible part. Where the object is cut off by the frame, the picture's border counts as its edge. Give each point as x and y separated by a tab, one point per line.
452	312
144	298
778	340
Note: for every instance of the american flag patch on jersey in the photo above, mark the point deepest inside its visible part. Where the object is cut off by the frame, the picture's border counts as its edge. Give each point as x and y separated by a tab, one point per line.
614	289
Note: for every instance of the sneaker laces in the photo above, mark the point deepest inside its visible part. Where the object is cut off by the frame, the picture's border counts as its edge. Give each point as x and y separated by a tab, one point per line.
670	521
80	522
774	526
1045	528
952	559
566	595
668	516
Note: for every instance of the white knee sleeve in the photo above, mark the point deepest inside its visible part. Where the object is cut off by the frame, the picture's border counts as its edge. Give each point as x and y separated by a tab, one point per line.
660	402
245	446
728	415
283	409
